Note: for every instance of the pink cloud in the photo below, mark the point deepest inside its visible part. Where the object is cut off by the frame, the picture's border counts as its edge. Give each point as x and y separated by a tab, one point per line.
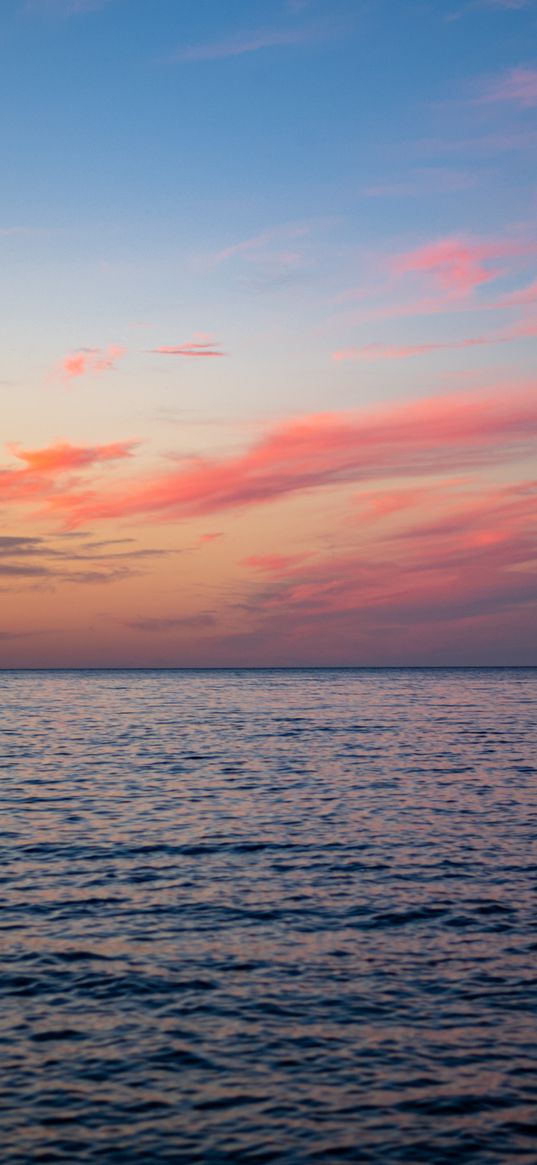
192	348
514	87
91	360
380	352
373	506
456	265
444	277
518	298
494	518
212	536
436	304
472	558
442	433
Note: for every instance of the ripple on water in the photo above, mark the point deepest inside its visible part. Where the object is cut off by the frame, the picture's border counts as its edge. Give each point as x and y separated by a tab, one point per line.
268	916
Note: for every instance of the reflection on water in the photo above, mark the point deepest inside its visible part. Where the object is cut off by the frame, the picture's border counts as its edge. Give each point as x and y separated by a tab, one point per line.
268	916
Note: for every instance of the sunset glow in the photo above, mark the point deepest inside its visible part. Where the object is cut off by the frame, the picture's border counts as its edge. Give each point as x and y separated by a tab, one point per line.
270	314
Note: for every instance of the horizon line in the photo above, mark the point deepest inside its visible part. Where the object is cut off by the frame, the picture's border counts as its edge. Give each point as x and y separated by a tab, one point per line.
275	667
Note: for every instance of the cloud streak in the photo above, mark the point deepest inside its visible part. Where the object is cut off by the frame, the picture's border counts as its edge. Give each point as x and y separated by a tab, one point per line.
519	298
34	561
418	438
260	246
157	625
524	330
194	348
423	182
514	87
462	559
241	43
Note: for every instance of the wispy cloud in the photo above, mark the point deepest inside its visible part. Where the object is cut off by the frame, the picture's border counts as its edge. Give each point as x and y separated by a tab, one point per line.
43	468
240	43
456	264
11	232
159	625
63	457
259	245
449	568
524	330
442	276
324	450
38	561
274	564
192	348
269	260
514	87
457	558
423	182
523	295
91	361
274	271
510	141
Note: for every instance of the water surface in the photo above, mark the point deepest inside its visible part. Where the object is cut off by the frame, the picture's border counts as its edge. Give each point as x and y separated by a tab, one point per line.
268	916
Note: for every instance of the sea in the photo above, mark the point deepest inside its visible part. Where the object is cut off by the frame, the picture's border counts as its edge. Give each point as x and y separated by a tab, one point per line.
256	916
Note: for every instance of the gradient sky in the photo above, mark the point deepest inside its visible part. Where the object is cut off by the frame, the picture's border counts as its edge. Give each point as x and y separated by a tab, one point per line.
269	314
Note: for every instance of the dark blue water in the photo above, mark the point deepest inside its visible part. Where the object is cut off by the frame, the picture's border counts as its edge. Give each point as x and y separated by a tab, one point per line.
268	916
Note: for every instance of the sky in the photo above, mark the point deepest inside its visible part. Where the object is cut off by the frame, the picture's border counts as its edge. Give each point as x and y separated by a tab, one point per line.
269	323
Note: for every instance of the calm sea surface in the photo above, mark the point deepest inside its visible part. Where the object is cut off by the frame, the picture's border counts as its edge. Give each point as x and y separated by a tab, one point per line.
268	916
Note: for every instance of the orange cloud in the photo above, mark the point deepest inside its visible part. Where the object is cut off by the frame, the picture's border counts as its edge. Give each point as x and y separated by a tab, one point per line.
43	466
443	433
91	360
61	457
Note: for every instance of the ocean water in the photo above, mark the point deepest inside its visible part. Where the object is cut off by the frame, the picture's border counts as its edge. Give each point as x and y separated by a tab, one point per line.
255	916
